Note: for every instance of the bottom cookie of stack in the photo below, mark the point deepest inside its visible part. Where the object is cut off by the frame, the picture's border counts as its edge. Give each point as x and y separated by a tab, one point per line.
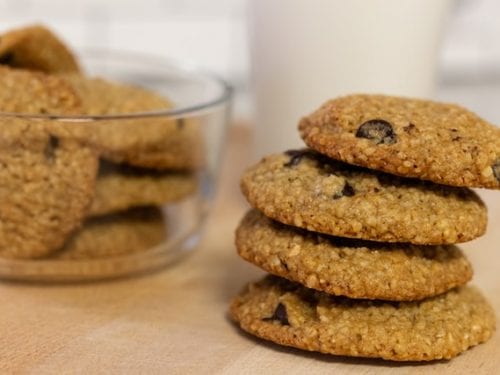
290	314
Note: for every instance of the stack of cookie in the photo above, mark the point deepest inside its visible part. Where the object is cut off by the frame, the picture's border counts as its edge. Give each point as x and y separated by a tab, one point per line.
88	189
358	231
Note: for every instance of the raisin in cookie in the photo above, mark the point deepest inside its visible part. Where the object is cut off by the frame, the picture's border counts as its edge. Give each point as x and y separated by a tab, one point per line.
443	143
308	190
150	142
36	48
119	187
47	176
436	328
352	268
125	233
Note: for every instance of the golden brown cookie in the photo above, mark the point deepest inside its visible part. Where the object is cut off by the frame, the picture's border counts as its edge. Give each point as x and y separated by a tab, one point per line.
307	190
120	234
36	48
150	142
46	176
436	328
352	268
443	143
119	187
23	91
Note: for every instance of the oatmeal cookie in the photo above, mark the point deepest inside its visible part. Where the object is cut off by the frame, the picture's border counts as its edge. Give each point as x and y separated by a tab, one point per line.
439	142
347	267
308	190
289	314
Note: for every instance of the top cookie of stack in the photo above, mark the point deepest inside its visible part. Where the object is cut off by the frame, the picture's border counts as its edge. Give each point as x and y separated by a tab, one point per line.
442	143
390	176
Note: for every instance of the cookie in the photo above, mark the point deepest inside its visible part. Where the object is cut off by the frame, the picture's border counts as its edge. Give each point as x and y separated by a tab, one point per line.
436	328
347	267
150	142
36	48
47	176
121	234
443	143
23	91
119	187
307	190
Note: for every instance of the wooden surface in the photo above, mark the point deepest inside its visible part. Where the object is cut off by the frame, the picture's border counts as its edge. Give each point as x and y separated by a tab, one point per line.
174	321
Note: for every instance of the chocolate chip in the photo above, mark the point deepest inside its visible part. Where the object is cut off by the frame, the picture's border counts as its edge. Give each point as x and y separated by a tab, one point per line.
454	136
347	191
7	59
377	130
409	128
279	314
51	147
284	265
496	169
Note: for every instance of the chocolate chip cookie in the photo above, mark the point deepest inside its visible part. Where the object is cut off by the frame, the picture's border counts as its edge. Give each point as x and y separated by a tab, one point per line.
443	143
150	142
119	187
308	190
436	328
352	268
36	48
125	233
47	176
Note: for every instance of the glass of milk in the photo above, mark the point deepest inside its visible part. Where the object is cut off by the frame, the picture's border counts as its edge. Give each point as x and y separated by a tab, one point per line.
305	52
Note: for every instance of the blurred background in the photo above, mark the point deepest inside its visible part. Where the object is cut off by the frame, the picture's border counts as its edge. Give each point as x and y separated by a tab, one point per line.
213	33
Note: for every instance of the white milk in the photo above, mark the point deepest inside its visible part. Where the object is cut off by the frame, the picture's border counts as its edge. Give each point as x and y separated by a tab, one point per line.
304	52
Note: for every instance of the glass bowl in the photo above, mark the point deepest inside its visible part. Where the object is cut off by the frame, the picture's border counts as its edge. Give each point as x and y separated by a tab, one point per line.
155	178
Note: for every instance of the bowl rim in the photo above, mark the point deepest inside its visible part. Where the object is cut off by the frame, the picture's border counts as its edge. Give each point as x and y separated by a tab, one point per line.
185	66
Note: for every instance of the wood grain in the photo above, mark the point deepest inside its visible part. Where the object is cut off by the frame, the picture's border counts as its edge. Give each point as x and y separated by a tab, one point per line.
175	322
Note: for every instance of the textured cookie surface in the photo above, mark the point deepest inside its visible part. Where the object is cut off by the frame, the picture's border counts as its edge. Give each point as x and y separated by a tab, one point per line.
125	233
352	268
119	187
307	190
150	142
23	91
46	176
443	143
436	328
36	48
